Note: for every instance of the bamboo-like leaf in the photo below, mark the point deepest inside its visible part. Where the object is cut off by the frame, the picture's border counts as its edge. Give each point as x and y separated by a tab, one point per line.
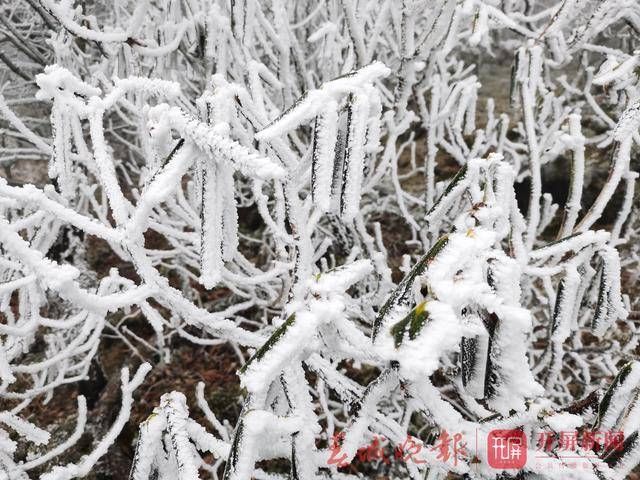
270	343
400	296
442	201
617	396
614	456
295	475
609	305
602	309
235	453
474	358
325	135
513	85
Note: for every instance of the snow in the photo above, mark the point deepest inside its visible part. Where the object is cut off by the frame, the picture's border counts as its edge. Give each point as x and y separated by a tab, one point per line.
324	155
313	101
214	141
564	422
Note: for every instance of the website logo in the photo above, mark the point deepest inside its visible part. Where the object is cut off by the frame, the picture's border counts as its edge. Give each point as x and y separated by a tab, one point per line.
507	449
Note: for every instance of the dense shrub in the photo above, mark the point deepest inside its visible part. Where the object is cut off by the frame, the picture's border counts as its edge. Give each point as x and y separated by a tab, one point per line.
255	163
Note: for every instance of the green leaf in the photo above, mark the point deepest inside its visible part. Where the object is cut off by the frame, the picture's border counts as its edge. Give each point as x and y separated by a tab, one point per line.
400	296
411	324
